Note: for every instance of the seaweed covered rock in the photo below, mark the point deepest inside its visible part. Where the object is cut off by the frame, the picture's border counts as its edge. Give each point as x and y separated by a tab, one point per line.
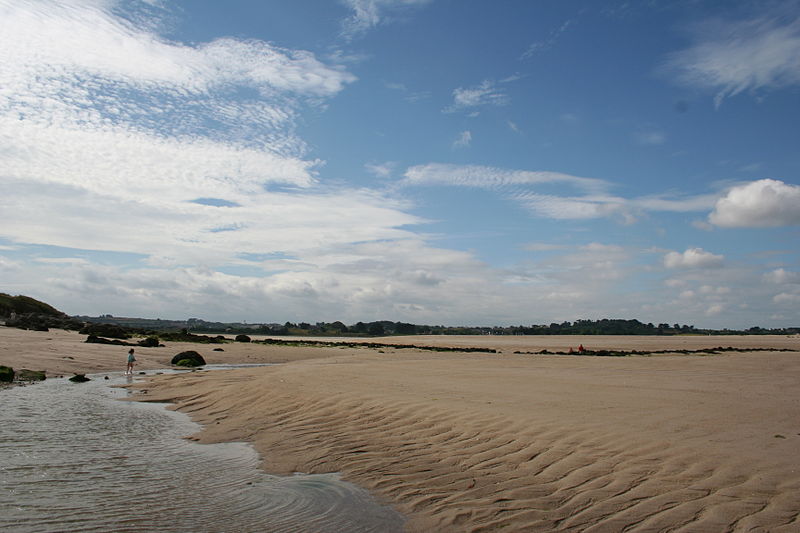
93	339
31	375
105	330
79	378
242	338
6	374
149	342
188	358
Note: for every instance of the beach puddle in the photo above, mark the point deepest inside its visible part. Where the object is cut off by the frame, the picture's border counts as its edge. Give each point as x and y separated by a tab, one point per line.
73	458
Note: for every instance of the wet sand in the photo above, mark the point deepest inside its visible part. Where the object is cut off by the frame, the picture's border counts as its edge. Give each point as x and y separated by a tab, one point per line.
480	442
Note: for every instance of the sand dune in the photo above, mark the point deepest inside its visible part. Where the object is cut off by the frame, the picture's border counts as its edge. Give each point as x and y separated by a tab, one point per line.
486	442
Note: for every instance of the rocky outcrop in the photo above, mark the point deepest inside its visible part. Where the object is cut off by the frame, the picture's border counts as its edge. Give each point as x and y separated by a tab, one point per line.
150	342
31	375
105	330
93	339
242	338
188	358
6	374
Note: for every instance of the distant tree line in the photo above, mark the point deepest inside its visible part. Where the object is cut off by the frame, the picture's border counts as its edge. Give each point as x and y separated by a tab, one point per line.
29	313
603	326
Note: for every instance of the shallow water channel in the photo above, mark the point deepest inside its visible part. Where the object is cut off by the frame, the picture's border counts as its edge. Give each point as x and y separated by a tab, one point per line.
74	458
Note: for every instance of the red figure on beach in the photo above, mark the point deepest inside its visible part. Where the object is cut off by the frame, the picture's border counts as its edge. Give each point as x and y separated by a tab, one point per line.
131	360
581	349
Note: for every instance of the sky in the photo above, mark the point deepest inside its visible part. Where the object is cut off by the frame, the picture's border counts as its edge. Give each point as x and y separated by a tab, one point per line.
455	162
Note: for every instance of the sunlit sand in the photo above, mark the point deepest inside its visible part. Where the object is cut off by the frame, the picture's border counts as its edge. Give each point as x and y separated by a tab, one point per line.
474	442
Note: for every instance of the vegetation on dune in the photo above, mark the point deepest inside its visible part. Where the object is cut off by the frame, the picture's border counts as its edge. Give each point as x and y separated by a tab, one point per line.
25	304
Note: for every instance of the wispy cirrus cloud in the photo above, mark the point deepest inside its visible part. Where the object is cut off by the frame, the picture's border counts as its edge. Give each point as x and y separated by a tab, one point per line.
548	42
463	140
575	197
735	56
367	14
487	93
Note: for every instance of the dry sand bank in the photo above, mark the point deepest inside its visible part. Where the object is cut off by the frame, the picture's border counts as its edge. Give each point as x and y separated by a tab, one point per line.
64	352
473	442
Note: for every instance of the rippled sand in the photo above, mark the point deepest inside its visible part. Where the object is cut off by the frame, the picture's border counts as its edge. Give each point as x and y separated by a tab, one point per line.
530	443
472	442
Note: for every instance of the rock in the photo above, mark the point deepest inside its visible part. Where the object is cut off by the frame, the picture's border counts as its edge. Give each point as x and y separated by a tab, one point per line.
188	358
94	339
6	374
242	338
31	375
79	378
218	350
149	342
105	330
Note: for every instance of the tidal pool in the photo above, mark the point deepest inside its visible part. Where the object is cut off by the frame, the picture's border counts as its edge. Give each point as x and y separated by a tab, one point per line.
74	458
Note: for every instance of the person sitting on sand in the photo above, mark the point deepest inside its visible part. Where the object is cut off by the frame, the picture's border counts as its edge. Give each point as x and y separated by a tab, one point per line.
131	360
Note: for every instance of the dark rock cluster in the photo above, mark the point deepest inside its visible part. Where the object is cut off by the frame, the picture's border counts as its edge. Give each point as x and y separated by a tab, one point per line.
188	358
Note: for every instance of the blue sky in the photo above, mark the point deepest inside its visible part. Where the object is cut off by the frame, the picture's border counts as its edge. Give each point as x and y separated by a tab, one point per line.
430	161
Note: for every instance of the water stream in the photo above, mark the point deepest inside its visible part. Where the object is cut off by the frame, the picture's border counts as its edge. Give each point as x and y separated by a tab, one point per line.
73	458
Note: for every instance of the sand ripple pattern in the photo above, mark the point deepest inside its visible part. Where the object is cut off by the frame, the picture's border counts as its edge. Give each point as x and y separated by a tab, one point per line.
74	459
452	470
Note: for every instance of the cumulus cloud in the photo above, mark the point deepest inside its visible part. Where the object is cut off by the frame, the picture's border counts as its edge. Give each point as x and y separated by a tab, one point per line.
693	258
759	204
731	57
781	276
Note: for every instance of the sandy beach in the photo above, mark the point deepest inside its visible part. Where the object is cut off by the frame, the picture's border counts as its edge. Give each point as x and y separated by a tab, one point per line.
485	442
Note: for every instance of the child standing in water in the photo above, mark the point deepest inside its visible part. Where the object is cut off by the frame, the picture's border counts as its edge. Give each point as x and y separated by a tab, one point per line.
131	360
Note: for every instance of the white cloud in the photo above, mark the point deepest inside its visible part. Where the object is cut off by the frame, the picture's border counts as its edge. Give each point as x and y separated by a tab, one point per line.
546	44
715	309
543	247
709	290
583	198
731	57
762	203
492	177
368	14
114	132
381	170
651	137
786	298
781	276
464	139
693	258
485	94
